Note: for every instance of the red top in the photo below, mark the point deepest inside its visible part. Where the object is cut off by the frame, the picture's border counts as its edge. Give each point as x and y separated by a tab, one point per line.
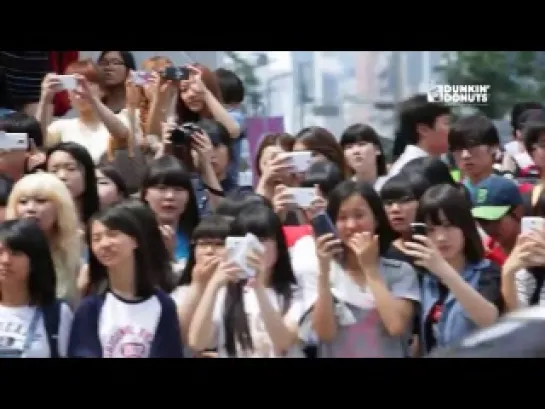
294	233
494	252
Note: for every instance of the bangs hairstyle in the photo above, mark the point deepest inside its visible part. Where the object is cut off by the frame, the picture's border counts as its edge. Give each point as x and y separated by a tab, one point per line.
397	187
451	203
65	243
364	133
168	171
123	220
350	188
86	68
211	227
320	140
89	199
23	235
261	221
326	175
162	269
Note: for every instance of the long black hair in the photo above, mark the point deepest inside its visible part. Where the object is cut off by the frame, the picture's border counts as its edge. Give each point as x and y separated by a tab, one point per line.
26	236
211	227
162	268
122	219
168	171
89	199
261	221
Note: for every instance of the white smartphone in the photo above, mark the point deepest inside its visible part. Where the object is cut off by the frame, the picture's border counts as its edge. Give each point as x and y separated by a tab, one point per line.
300	161
68	82
237	250
303	196
13	141
141	77
528	224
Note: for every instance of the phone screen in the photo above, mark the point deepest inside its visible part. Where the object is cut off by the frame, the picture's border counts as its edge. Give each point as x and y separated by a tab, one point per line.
418	229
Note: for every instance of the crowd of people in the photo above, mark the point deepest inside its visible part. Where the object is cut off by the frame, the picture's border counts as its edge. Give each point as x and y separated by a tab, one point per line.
124	231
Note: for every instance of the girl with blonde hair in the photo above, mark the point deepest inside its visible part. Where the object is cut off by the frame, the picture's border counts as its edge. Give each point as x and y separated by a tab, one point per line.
43	197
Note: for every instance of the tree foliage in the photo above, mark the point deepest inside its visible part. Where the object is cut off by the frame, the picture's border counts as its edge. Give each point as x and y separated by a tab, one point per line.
513	76
246	71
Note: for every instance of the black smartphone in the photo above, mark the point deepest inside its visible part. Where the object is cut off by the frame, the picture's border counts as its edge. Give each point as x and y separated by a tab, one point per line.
175	73
322	224
418	229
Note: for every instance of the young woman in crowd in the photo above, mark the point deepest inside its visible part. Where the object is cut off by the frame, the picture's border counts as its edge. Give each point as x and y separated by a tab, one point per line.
460	288
211	153
364	302
168	190
400	203
115	67
72	164
45	199
271	168
363	153
197	98
33	323
257	317
95	123
207	250
323	145
128	317
110	186
523	273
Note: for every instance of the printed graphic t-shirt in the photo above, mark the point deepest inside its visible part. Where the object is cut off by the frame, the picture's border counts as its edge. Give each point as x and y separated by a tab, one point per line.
14	325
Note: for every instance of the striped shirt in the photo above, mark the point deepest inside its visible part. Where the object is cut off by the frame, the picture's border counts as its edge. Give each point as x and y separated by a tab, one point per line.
525	283
23	74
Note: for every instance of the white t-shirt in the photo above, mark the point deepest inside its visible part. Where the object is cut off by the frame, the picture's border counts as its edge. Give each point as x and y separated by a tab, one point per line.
178	295
126	328
410	153
15	322
263	346
95	139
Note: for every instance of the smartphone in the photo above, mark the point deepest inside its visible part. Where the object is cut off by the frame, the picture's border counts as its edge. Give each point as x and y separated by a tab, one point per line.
418	229
300	161
528	224
141	77
322	224
302	196
68	82
13	141
176	73
237	250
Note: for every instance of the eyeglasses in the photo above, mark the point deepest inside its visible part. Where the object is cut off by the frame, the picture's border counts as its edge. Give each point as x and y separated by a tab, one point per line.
209	243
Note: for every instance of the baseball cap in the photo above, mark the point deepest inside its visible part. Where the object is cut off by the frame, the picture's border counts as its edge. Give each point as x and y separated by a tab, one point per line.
494	197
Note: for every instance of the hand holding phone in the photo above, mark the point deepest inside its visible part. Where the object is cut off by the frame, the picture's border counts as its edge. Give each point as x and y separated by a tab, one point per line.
238	249
302	196
13	141
67	82
418	229
328	243
141	77
175	73
299	161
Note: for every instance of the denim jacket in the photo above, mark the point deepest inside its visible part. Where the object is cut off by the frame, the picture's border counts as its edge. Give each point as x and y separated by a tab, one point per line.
454	323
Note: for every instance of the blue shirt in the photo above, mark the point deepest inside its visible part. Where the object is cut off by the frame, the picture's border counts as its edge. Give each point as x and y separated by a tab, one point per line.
228	184
181	252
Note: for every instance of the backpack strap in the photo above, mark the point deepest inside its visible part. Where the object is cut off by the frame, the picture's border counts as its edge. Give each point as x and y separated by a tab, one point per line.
52	318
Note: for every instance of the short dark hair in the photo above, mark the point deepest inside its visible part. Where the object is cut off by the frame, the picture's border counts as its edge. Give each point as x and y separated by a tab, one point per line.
326	175
519	108
417	111
349	188
6	186
365	133
472	130
19	122
456	208
532	132
231	86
